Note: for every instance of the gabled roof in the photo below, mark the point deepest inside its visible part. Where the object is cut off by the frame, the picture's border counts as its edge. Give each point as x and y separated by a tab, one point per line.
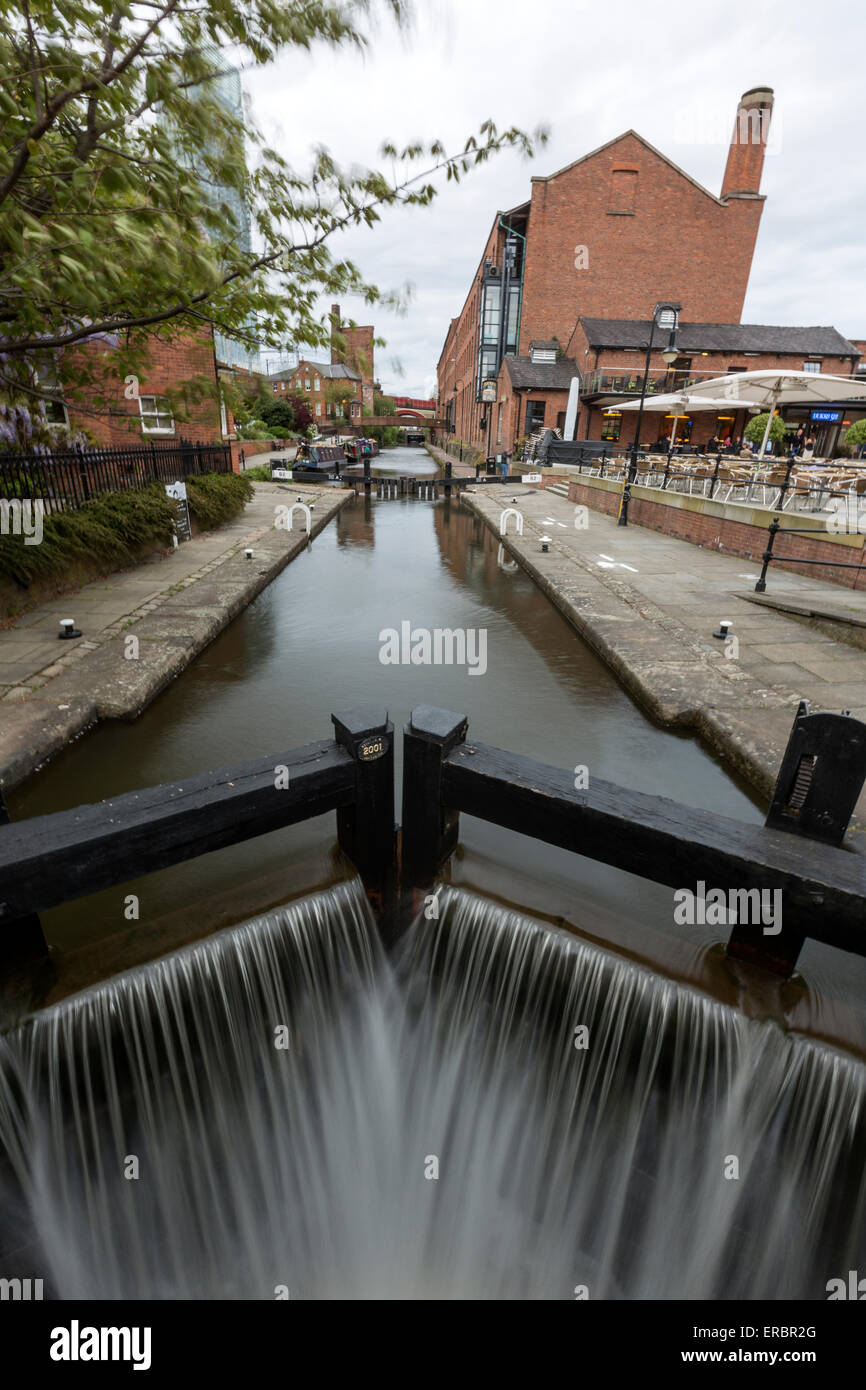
548	178
541	376
722	337
330	370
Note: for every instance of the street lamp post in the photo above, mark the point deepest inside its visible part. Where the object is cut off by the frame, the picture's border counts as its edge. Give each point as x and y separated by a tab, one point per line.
664	315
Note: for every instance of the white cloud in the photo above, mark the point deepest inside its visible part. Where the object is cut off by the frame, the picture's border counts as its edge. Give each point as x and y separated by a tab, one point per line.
590	71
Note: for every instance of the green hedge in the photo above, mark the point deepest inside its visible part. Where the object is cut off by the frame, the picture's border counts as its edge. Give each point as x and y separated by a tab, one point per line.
116	528
215	498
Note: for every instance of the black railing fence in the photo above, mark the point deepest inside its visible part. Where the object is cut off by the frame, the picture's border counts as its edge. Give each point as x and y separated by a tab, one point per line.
65	481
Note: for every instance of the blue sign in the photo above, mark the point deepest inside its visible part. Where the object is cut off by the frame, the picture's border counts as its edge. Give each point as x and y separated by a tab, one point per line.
831	416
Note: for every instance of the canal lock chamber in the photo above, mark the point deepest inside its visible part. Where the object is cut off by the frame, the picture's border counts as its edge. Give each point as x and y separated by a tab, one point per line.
309	1167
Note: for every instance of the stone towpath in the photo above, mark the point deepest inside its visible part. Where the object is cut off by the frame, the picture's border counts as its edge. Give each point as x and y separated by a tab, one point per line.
649	604
175	604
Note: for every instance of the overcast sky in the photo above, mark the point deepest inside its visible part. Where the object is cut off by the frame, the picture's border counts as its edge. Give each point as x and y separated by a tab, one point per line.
589	71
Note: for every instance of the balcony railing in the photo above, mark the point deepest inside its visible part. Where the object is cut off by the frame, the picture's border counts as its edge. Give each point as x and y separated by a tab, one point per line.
619	382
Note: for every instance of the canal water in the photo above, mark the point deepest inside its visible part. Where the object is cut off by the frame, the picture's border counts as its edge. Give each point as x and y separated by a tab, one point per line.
499	1109
312	643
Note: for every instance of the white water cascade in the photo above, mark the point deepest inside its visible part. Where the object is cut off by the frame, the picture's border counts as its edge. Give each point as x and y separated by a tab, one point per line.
502	1111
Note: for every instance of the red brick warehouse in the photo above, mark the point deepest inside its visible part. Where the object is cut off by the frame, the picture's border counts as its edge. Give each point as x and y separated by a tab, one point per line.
594	240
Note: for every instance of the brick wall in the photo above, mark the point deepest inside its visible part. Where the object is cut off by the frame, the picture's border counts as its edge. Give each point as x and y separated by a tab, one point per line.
647	232
169	365
250	448
633	258
714	526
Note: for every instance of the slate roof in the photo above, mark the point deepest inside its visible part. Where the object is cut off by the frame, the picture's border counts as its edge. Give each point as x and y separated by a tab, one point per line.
723	337
332	371
541	376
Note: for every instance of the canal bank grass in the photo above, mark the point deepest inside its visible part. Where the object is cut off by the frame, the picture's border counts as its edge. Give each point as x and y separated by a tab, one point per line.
115	531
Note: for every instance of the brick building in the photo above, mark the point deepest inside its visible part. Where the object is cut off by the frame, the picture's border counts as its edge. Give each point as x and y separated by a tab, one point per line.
351	371
176	394
608	236
312	380
611	354
355	348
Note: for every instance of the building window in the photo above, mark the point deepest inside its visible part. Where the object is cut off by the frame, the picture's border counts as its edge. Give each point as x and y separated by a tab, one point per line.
156	416
318	407
307	382
811	366
275	388
611	426
318	385
534	416
282	386
499	424
328	408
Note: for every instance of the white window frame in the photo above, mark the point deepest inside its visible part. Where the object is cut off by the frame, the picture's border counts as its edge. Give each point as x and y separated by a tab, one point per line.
317	384
812	367
318	407
155	413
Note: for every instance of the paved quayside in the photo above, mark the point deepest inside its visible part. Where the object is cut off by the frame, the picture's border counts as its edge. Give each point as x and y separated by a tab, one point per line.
175	604
648	604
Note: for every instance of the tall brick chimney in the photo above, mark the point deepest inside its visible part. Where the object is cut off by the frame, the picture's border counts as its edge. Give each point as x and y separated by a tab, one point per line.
748	143
335	328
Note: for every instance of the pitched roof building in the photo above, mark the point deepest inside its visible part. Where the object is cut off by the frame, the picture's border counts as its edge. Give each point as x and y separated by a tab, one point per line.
608	236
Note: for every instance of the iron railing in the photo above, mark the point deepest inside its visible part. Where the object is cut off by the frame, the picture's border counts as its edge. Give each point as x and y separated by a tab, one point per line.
66	481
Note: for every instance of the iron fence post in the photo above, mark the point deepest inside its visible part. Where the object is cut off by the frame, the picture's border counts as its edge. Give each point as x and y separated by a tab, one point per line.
773	529
780	501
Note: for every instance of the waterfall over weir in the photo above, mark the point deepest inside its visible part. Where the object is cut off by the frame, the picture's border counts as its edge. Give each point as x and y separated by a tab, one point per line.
311	1169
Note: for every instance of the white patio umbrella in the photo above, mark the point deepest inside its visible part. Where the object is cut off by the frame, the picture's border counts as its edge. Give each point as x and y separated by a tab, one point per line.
768	388
679	403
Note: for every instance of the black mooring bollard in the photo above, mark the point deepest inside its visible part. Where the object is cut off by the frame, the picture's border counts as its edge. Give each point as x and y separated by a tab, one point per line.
366	830
820	778
429	831
22	940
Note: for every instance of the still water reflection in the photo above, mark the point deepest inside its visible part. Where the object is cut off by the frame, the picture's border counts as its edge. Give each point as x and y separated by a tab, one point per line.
310	644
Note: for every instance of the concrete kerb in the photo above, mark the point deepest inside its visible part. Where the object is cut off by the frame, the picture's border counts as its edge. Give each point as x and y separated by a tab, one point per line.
102	684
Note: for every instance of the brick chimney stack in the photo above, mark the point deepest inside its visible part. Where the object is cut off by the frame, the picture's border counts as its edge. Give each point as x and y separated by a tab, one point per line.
748	143
335	328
